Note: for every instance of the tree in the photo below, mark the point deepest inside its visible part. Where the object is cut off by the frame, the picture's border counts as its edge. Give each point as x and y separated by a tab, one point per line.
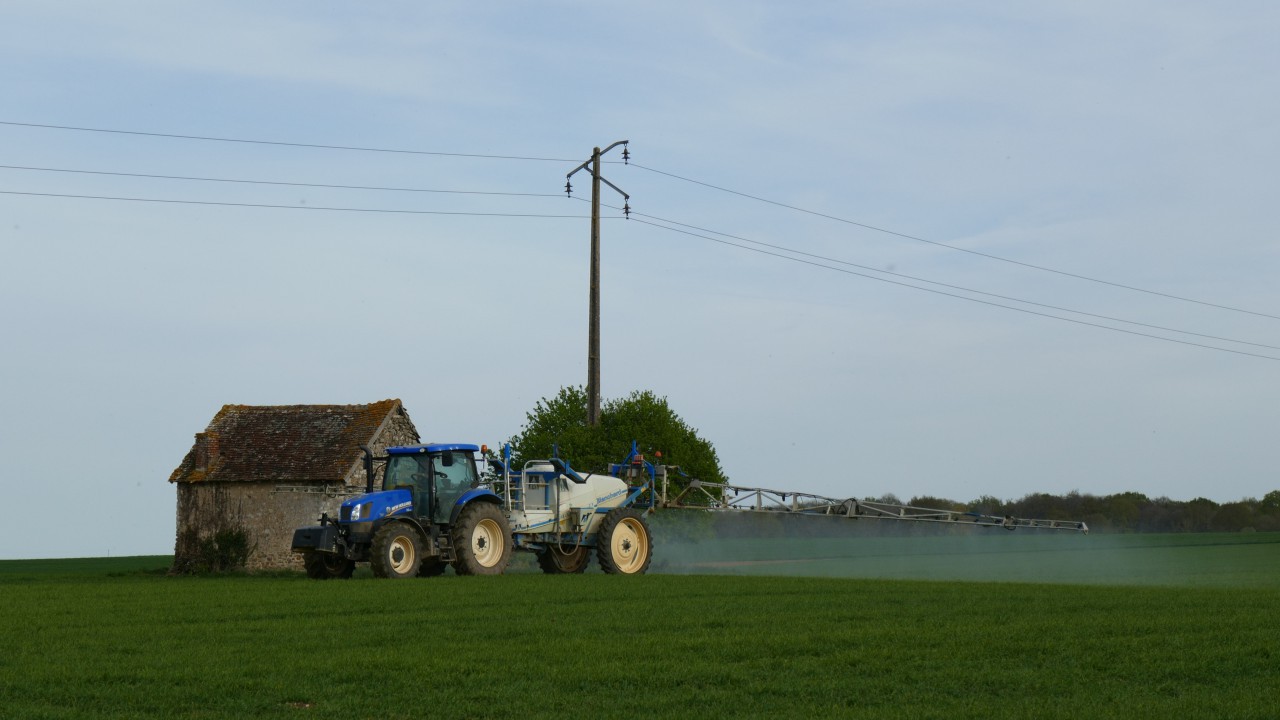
987	505
936	503
1270	504
1197	515
560	424
1233	517
1125	510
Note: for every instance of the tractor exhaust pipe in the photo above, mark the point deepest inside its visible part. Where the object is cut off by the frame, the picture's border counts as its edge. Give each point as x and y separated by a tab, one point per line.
368	469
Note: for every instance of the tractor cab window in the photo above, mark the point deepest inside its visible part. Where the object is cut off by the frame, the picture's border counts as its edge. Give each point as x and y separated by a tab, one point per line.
412	473
406	472
455	473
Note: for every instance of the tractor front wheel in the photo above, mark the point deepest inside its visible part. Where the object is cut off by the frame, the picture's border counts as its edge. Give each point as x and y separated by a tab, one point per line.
396	552
554	561
481	540
625	546
327	566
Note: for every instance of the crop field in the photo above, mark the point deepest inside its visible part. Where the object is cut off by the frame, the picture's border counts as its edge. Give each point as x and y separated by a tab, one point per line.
801	628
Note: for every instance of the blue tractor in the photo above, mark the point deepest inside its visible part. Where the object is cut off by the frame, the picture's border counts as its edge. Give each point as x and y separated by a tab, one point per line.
431	512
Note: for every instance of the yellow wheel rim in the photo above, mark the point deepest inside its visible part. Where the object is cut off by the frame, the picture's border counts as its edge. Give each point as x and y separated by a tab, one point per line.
488	543
402	554
629	545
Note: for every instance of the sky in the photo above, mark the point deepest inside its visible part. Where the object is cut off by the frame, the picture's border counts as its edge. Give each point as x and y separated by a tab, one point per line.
799	174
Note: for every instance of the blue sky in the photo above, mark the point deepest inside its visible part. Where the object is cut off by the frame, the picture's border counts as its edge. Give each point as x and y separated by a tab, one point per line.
1132	143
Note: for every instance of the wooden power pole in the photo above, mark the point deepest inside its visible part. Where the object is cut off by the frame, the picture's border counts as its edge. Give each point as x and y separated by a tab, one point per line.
593	305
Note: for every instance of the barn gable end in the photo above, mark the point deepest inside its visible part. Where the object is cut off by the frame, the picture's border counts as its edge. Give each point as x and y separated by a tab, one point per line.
272	469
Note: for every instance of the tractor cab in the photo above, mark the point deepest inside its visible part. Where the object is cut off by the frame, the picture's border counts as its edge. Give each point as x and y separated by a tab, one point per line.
436	477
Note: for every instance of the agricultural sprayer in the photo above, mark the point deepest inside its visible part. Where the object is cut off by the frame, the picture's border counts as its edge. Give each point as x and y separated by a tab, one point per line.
435	509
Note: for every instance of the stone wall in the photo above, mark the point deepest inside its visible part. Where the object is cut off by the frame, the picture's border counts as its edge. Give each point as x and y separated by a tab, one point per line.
269	512
269	517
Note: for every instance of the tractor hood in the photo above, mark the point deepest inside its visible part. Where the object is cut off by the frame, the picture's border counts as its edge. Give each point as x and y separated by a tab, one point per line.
376	506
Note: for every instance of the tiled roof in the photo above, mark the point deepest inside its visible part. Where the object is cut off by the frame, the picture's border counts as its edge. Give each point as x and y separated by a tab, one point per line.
294	443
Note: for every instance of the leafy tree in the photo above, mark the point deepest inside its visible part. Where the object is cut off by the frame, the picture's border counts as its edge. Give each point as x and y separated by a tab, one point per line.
1270	504
560	423
987	505
1159	515
1233	517
1125	510
936	503
1197	515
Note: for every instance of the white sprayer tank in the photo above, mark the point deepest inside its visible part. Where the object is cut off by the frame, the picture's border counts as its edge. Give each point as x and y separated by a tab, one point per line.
547	496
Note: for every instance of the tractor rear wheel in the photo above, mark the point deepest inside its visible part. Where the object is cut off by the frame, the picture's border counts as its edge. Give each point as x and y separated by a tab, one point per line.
481	540
624	545
396	551
554	561
327	566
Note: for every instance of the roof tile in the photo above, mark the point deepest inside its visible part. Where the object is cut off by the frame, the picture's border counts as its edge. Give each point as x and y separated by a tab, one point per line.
295	443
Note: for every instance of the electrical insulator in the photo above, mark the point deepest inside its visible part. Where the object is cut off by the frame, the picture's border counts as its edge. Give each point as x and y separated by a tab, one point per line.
626	155
568	189
626	210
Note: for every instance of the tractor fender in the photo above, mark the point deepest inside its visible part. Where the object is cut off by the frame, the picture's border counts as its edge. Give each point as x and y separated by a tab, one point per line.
474	495
423	531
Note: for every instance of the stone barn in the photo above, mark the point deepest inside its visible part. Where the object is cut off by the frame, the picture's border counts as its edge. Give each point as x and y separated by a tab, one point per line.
268	470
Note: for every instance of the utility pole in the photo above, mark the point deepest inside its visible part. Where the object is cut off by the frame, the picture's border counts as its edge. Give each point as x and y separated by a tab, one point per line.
593	309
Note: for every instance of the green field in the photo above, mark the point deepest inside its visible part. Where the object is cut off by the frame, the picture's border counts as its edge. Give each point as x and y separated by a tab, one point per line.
1193	636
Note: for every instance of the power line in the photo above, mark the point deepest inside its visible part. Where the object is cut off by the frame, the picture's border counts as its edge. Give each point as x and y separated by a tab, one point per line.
953	295
282	143
654	217
989	256
946	285
642	167
705	237
953	287
295	207
274	182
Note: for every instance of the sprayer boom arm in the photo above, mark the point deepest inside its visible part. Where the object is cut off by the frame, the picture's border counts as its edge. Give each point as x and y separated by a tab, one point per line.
722	496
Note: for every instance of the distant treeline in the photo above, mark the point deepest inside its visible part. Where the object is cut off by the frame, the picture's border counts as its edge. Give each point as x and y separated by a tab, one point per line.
1128	512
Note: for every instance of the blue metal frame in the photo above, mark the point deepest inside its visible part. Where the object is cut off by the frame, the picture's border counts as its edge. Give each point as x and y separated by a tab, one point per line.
650	470
431	448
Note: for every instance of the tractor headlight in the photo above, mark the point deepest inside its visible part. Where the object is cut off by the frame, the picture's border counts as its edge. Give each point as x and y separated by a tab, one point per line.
360	512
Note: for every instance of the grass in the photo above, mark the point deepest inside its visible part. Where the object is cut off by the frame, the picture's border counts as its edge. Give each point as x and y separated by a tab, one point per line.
81	569
113	638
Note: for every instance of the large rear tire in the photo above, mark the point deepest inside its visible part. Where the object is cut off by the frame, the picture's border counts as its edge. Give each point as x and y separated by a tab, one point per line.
555	562
327	566
396	551
624	546
481	540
